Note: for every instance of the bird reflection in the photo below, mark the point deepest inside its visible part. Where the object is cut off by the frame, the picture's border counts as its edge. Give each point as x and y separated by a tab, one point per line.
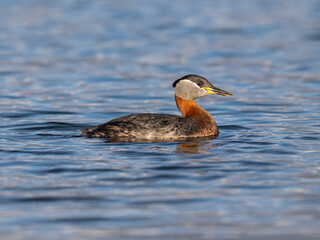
194	147
199	146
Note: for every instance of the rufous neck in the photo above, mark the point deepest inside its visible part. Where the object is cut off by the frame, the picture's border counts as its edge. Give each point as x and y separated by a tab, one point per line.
190	109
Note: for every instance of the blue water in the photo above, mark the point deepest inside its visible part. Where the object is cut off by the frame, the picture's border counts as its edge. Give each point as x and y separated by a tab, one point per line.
66	65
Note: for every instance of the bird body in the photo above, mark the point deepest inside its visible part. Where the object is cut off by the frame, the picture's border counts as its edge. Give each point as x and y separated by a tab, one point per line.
195	121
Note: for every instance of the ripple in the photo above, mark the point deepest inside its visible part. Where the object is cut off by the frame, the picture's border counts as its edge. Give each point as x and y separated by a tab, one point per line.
86	219
52	199
41	152
233	127
46	126
177	167
29	113
75	170
277	151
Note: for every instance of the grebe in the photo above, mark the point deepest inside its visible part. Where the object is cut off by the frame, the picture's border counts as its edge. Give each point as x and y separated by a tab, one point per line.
196	122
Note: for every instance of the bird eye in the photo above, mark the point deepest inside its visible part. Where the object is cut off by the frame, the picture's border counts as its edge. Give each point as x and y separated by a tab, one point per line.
199	84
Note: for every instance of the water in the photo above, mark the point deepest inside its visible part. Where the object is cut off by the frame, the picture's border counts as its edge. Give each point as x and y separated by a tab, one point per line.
66	65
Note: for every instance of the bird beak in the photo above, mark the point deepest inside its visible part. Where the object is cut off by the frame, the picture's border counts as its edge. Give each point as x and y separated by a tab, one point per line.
214	90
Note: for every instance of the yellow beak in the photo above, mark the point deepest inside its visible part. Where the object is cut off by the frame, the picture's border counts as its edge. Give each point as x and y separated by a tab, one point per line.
214	90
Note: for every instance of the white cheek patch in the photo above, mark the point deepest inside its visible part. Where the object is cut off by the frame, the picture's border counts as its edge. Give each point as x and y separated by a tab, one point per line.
189	90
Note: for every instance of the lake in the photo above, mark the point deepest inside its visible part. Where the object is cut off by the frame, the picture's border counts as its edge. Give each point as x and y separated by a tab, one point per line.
67	65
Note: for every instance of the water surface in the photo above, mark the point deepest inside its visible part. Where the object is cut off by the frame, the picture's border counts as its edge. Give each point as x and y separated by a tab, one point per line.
66	65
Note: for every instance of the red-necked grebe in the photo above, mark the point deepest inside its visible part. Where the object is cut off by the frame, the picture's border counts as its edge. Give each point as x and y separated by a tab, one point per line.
196	122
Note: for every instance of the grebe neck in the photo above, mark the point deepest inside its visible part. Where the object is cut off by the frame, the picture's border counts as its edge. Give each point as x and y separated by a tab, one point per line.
190	109
206	126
